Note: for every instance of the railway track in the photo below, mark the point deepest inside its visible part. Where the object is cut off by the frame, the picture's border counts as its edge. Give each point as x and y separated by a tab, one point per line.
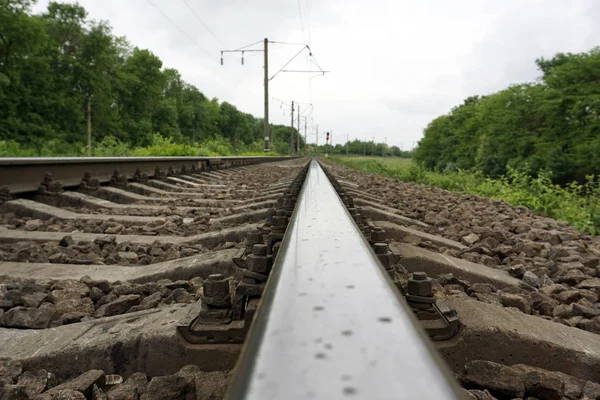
143	278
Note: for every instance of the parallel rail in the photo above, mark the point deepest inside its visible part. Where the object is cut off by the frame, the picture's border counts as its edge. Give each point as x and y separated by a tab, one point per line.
21	175
331	325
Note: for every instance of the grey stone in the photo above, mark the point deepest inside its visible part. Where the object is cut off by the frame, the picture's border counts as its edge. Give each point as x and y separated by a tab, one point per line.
592	283
34	300
96	294
540	383
98	394
119	306
591	390
517	271
563	311
28	318
58	258
170	387
66	241
132	388
572	277
495	377
9	371
128	256
13	392
531	279
568	296
83	305
592	325
71	318
83	383
517	301
34	381
106	299
470	239
33	224
63	394
180	284
180	295
126	289
584	311
210	385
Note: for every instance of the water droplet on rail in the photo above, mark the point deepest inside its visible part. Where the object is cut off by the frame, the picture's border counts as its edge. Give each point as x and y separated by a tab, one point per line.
346	377
347	333
320	356
328	346
385	320
318	308
349	391
349	286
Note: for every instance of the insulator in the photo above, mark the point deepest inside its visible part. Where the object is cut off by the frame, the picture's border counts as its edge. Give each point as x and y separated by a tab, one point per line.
242	58
221	60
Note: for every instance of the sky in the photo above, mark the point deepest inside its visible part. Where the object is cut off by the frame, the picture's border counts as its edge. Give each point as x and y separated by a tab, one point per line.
394	65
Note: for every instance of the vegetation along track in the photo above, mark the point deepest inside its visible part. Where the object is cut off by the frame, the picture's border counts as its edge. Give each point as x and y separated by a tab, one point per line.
142	283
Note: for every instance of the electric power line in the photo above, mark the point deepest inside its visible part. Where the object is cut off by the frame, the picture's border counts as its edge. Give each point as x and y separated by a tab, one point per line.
188	36
308	20
182	31
301	23
202	22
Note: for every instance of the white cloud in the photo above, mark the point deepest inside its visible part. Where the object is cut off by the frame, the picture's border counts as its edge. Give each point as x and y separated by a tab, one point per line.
396	64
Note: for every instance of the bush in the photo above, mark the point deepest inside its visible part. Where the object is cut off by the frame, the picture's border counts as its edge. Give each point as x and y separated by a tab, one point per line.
576	204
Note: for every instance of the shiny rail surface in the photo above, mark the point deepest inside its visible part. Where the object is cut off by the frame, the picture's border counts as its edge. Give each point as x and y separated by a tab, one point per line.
331	325
21	175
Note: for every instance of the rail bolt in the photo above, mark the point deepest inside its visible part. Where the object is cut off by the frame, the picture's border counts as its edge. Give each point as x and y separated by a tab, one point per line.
385	256
420	285
259	261
253	237
378	235
216	285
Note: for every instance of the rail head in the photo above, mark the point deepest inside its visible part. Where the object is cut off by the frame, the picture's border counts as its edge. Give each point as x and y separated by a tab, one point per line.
331	325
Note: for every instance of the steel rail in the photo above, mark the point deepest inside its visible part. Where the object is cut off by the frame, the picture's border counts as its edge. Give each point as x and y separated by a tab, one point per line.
21	175
331	325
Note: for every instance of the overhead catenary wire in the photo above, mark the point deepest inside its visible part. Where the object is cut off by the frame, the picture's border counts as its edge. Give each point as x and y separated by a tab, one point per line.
301	23
181	30
292	59
203	23
308	20
188	36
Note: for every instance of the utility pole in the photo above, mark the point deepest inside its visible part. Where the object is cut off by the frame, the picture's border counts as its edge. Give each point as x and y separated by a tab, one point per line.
298	132
89	124
266	80
347	143
317	136
372	145
265	50
305	118
292	131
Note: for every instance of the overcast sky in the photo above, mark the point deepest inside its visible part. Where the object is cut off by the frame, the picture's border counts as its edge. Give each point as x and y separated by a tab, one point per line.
395	65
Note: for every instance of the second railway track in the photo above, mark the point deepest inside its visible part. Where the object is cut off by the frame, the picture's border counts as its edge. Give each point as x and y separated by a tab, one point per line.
127	279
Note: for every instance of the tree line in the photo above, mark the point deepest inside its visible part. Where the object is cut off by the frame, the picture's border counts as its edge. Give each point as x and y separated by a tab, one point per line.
362	148
59	70
552	124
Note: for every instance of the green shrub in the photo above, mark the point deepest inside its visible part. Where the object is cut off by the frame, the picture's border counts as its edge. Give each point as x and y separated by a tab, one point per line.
577	204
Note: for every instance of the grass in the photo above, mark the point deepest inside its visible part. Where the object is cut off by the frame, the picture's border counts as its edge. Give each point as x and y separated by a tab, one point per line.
390	162
576	203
